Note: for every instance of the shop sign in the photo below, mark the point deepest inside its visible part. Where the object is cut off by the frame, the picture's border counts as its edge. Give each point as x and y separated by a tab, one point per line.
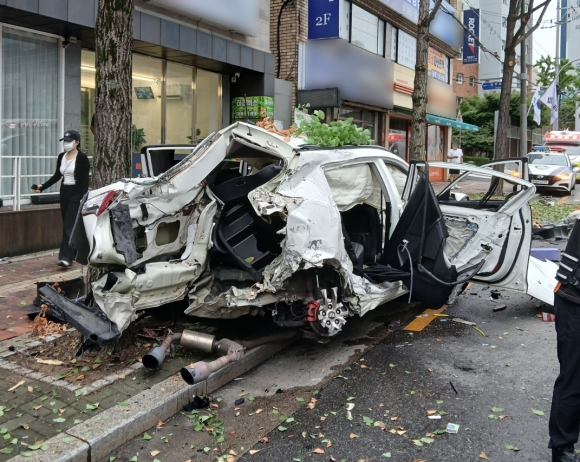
470	45
444	26
28	123
437	67
324	19
362	77
252	107
240	15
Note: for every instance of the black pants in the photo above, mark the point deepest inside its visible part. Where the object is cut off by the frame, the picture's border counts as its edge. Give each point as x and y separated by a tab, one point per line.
565	413
69	207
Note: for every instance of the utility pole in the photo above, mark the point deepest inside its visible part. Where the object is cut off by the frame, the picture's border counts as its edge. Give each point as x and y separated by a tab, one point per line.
523	94
557	69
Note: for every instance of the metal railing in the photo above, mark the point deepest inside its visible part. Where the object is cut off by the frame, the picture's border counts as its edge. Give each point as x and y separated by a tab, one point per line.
17	195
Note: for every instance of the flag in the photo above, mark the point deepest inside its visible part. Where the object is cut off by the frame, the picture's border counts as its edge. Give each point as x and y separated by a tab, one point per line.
536	104
550	99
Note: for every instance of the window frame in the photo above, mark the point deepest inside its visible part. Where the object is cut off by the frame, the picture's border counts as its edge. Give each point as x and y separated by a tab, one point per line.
350	5
459	78
471	81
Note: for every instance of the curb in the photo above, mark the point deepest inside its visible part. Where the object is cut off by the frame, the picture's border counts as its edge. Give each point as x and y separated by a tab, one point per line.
95	438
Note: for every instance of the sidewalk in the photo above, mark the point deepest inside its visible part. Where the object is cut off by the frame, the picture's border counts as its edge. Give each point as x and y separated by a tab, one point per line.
18	276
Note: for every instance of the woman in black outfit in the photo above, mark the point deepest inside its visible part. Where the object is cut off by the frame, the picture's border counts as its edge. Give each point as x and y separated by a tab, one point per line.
73	167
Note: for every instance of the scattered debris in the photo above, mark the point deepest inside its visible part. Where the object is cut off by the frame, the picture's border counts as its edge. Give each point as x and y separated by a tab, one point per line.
237	402
452	428
463	321
495	294
499	308
548	317
197	403
17	385
452	386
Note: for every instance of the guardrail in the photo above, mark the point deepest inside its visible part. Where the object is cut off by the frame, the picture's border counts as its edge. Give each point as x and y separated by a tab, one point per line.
17	175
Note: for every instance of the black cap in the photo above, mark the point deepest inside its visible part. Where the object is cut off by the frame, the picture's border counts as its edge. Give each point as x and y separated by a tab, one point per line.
71	135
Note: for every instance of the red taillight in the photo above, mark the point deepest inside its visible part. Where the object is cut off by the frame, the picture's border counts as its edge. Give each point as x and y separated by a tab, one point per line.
106	202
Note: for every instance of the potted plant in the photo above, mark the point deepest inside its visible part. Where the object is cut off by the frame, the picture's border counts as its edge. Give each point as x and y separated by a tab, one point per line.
137	137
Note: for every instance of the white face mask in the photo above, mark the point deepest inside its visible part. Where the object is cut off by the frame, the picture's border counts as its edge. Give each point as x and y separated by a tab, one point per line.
69	145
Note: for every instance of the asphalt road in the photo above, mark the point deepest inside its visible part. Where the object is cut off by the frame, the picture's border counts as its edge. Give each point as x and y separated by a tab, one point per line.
512	368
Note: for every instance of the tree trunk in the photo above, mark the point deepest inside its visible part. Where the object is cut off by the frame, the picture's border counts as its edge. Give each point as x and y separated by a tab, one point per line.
114	31
112	152
419	97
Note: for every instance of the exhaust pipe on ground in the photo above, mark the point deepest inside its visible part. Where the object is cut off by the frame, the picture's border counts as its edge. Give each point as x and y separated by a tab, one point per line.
229	351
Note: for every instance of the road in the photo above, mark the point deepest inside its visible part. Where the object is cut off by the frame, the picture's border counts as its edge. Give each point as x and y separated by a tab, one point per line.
448	368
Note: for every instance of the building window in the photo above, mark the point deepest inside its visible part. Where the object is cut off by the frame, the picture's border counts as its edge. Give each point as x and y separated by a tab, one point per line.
406	52
367	31
504	21
459	78
460	55
30	101
171	102
459	100
394	44
472	81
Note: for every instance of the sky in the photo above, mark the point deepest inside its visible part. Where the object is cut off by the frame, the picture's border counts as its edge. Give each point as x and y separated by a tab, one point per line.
545	36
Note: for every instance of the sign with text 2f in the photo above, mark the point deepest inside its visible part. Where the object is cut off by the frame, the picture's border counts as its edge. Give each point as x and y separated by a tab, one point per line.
323	19
470	45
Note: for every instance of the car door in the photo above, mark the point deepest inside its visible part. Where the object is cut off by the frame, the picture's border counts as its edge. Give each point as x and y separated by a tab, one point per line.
488	238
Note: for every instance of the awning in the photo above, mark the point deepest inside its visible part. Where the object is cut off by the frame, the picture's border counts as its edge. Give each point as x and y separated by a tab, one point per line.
451	123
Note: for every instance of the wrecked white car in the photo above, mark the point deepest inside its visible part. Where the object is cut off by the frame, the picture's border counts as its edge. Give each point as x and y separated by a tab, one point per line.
250	224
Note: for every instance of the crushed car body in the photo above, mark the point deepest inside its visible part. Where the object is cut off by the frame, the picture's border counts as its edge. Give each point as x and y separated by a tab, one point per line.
247	223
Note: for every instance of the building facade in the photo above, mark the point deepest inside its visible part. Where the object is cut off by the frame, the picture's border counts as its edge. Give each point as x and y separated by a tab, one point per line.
192	62
356	59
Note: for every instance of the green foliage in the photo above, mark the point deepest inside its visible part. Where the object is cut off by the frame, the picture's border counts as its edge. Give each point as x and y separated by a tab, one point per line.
569	88
137	137
337	133
476	160
480	111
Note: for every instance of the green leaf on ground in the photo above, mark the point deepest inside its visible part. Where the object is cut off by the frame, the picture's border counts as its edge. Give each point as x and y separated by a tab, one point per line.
43	398
59	420
78	393
97	361
3	430
497	409
134	459
427	440
535	411
408	372
6	450
251	398
275	411
493	417
351	398
511	447
368	421
91	407
290	419
112	459
418	443
22	302
282	429
439	401
68	440
440	432
300	400
85	369
146	436
206	449
392	365
387	454
123	404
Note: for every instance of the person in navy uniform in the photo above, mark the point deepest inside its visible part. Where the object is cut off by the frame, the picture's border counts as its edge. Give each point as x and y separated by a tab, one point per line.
73	168
565	413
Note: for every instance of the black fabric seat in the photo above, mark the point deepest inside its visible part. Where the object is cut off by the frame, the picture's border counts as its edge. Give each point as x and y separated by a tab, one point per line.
363	225
237	189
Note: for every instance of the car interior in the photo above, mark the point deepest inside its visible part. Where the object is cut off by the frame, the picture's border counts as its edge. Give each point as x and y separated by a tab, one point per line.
241	238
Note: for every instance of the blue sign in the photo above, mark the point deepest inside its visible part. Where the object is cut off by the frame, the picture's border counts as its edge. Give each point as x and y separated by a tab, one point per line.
491	86
470	44
323	19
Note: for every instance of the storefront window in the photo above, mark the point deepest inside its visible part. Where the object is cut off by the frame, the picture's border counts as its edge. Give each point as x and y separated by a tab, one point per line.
179	104
147	97
209	103
192	105
436	143
398	137
30	107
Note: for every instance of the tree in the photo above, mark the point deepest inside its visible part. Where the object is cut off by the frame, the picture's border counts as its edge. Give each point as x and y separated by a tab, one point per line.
419	97
114	33
480	111
518	30
569	85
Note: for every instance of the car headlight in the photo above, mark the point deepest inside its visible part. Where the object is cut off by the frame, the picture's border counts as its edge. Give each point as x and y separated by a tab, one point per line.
563	176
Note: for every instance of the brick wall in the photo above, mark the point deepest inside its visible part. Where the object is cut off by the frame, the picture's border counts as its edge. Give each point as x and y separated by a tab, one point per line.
468	70
293	31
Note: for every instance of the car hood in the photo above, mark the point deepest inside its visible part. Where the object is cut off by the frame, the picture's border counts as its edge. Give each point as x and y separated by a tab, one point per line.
548	170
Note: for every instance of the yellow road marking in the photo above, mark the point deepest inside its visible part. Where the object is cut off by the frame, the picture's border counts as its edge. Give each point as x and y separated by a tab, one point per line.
418	324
